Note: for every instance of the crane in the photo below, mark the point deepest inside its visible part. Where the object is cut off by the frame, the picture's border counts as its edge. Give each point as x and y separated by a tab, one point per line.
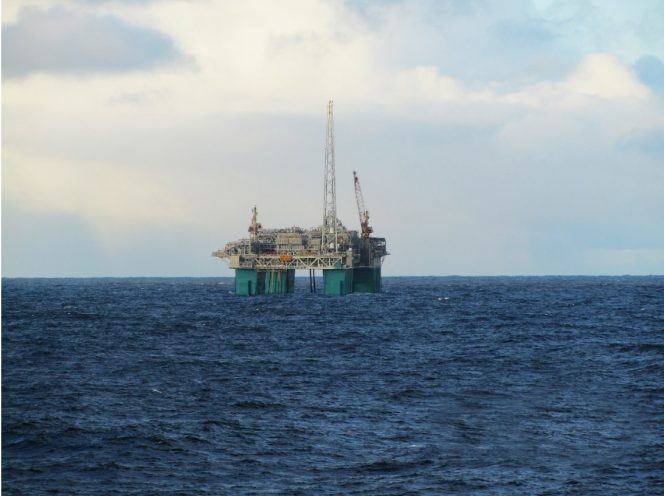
361	208
255	225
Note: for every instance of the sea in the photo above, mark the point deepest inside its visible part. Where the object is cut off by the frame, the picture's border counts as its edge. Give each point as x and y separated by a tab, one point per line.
436	386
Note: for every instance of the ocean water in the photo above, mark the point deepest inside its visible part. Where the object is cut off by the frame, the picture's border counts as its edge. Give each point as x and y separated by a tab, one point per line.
484	386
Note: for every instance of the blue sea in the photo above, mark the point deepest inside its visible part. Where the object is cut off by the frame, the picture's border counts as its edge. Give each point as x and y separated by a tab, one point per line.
453	385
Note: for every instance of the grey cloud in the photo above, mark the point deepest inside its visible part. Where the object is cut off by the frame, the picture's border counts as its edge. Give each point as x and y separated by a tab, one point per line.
473	41
650	71
62	41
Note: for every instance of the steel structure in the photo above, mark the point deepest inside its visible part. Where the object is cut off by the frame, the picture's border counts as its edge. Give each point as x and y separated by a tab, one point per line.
330	221
310	262
351	261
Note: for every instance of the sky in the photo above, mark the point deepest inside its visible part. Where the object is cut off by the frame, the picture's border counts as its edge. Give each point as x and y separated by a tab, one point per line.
511	137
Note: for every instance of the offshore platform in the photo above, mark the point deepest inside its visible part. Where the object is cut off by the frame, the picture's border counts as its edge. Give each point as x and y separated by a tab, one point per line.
350	260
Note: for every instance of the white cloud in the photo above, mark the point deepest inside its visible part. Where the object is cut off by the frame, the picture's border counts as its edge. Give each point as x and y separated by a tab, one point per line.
604	76
266	58
115	200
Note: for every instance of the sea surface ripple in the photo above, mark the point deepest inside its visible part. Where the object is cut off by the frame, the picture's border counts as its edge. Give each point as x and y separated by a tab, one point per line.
486	386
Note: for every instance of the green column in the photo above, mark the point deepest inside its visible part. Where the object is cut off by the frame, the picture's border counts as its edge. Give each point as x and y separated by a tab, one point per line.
338	282
279	281
246	282
250	282
290	276
366	280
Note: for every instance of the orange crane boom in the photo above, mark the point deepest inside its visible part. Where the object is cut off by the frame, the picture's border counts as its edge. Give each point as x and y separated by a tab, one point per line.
361	208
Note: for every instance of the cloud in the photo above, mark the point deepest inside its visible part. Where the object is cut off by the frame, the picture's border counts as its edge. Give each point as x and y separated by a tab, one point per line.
113	200
604	76
597	76
64	41
473	41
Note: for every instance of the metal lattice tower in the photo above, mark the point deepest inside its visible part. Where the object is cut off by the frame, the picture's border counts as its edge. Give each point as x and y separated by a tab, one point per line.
329	241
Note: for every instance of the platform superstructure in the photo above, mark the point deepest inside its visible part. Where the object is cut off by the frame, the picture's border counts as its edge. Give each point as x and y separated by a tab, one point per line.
350	260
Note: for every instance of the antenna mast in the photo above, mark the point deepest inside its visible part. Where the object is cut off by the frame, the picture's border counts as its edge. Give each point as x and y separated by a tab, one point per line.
329	241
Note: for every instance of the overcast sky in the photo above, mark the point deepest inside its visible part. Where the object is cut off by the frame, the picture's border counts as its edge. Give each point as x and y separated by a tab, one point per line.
490	137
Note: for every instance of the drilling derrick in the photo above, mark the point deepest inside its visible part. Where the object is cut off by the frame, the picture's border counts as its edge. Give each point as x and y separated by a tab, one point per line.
330	240
351	261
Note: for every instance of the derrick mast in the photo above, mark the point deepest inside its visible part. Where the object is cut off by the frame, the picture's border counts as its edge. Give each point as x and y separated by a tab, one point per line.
329	241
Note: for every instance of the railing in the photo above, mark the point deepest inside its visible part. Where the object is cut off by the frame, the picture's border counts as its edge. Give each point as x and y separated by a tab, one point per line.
313	261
